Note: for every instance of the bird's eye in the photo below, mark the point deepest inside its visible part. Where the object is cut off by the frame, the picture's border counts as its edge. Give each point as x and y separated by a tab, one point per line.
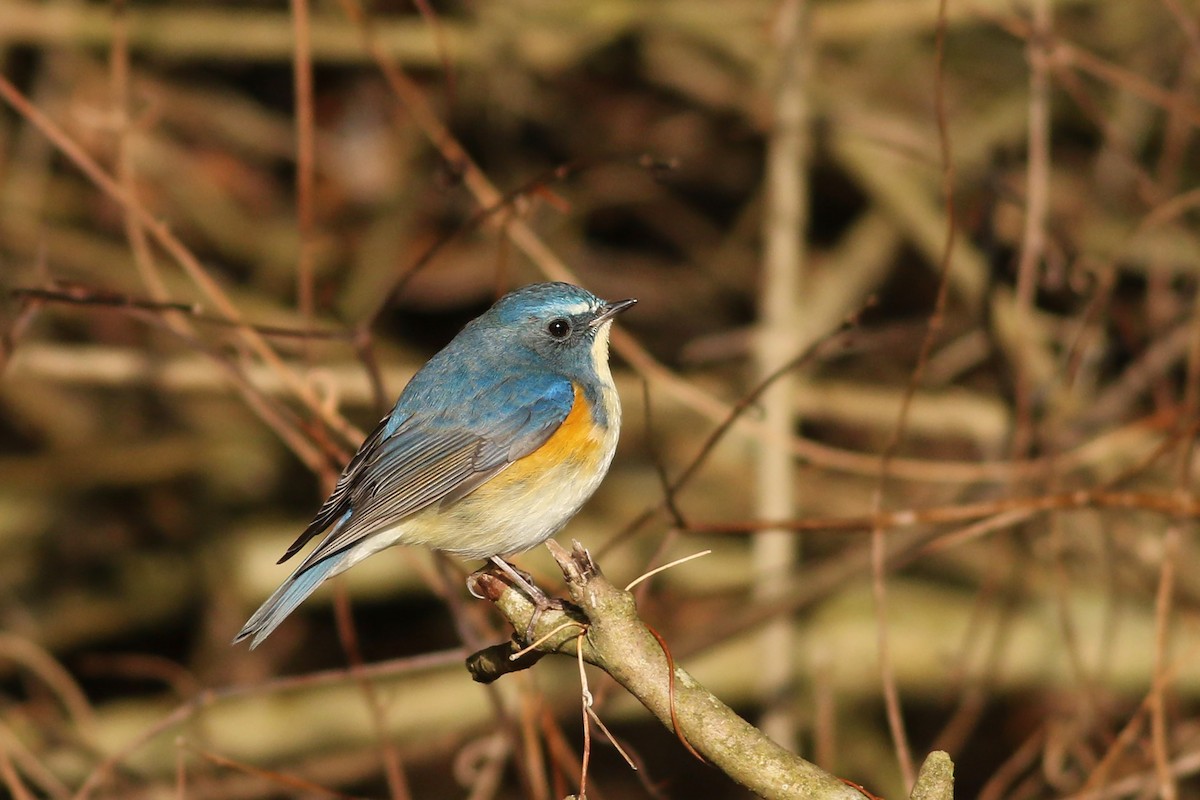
558	328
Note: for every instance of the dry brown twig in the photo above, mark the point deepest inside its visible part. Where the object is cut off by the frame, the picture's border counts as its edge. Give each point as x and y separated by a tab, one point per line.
165	238
891	693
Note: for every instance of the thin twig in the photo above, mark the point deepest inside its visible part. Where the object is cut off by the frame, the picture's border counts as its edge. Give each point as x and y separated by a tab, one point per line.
191	266
538	642
671	695
891	695
1168	503
586	699
664	567
1062	52
302	79
1164	597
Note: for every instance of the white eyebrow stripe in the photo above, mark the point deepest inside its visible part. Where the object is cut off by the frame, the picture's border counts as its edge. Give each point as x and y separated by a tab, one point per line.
577	308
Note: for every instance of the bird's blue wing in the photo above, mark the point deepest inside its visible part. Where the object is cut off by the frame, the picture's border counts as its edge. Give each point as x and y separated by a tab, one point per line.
425	459
338	502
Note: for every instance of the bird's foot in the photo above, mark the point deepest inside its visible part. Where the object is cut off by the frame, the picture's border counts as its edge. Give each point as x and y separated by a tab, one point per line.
542	602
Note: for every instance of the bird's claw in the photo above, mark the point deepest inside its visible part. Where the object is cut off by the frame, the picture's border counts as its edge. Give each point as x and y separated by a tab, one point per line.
522	580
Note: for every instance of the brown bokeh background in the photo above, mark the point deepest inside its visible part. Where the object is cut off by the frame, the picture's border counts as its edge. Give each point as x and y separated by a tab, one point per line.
1009	427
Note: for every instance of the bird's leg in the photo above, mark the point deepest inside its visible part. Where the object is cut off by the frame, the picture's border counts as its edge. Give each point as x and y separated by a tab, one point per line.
542	602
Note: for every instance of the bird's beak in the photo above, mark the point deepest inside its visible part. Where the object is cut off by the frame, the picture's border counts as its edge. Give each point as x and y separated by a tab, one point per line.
610	310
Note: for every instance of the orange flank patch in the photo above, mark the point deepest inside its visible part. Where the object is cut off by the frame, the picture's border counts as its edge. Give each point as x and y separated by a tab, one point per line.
529	500
576	442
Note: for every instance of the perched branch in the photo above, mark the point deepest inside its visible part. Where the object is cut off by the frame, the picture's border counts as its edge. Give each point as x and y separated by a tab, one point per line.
618	642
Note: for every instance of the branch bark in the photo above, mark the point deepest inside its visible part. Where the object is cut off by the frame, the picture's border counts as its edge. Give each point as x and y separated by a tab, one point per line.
617	641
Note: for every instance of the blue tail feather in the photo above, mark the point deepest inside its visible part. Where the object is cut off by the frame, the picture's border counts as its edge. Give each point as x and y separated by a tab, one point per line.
299	585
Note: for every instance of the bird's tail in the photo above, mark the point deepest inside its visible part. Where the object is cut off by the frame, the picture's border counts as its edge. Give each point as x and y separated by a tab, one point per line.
299	585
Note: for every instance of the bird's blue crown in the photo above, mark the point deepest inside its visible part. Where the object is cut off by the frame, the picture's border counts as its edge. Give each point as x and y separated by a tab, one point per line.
541	299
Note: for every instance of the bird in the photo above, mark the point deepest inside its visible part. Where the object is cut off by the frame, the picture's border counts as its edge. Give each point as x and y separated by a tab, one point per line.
492	446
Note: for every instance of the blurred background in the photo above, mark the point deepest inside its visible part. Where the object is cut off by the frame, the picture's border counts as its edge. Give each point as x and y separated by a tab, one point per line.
230	232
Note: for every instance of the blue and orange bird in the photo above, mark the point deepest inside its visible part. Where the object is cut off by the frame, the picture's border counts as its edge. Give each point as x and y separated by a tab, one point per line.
491	448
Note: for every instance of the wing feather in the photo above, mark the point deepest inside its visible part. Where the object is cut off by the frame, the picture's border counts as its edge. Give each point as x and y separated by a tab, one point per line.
404	468
338	502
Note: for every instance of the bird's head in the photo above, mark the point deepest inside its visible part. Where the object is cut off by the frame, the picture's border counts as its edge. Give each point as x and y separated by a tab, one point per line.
563	326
